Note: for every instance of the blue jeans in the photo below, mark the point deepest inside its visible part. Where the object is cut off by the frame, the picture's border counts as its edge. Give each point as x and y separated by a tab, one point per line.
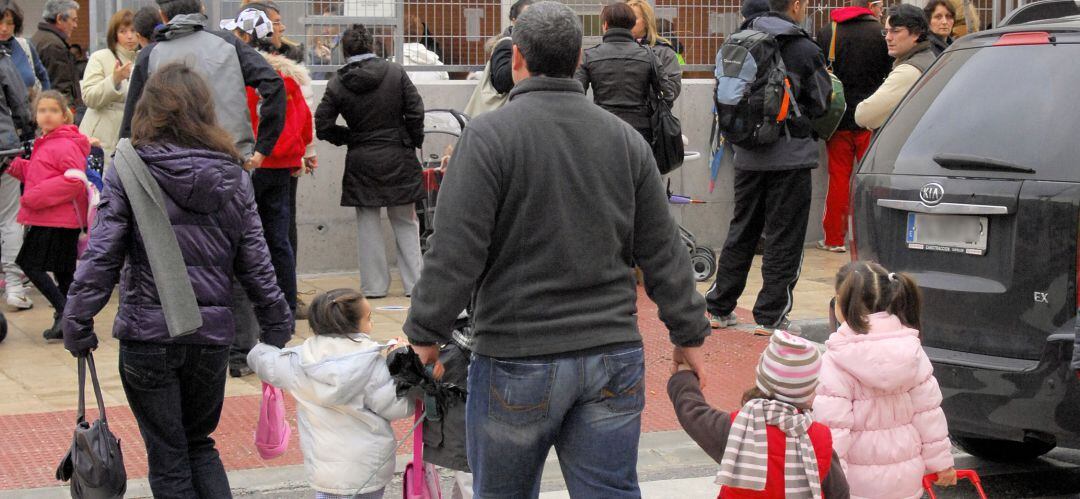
176	393
586	404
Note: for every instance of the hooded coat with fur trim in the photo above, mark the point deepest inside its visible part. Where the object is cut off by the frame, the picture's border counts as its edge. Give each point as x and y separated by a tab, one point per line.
385	125
344	395
298	133
878	395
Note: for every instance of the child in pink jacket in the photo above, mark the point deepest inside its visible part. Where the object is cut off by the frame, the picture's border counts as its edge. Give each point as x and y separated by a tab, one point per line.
54	203
877	390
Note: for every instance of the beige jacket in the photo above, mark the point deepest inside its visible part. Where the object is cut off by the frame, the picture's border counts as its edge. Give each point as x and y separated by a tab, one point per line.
872	112
104	101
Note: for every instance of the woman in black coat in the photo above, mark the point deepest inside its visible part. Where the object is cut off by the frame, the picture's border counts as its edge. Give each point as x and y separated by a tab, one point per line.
385	118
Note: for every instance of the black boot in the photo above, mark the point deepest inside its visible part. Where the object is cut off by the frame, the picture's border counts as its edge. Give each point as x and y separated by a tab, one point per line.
54	333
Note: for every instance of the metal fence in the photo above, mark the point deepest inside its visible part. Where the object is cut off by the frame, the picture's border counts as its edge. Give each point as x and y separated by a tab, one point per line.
461	32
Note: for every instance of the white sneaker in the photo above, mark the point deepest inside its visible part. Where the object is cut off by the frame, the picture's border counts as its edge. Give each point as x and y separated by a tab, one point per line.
833	249
19	301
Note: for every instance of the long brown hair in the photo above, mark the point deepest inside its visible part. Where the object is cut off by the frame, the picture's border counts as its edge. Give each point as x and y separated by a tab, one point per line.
864	288
337	312
177	108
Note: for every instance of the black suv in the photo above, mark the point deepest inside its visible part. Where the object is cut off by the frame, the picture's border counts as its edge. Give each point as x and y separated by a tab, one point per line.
973	187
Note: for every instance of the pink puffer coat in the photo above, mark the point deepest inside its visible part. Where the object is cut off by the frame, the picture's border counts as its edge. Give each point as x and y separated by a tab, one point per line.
878	394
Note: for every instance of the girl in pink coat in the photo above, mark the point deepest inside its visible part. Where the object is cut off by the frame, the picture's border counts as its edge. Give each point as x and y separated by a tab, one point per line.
54	203
877	391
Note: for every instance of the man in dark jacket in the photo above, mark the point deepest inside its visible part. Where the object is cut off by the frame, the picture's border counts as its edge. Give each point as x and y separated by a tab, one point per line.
234	67
772	184
861	61
502	77
61	17
620	70
385	125
543	220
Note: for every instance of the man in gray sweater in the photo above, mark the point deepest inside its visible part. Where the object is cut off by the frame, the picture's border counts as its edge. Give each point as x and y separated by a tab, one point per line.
548	204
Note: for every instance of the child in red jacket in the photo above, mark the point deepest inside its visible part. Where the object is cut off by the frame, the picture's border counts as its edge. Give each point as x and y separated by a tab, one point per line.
54	203
770	448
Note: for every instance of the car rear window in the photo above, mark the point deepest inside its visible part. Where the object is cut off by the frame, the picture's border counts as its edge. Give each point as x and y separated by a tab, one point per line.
1014	104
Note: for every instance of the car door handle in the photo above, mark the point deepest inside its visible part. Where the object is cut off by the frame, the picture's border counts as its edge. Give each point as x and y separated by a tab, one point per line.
944	208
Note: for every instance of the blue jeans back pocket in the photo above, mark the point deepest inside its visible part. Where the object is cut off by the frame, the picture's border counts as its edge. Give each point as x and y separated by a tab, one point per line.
624	391
520	392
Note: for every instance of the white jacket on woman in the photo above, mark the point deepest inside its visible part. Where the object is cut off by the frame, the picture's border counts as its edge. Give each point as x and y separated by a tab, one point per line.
345	401
104	100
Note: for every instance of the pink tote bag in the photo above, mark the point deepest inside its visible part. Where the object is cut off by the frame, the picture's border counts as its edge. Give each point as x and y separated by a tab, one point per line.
273	431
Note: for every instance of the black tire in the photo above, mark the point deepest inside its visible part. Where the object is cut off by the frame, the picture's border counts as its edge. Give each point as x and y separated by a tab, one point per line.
3	327
1003	451
703	263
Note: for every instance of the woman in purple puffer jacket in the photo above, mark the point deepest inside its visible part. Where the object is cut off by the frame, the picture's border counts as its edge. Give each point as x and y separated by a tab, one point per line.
176	386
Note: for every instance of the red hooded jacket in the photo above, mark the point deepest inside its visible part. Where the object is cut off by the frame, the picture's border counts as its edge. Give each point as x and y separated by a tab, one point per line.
48	193
298	131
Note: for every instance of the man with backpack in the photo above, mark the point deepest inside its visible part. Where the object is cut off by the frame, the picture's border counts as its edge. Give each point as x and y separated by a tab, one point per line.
856	51
765	117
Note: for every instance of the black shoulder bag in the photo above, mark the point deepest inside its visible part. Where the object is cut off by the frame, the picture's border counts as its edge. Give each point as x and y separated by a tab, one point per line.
94	463
667	142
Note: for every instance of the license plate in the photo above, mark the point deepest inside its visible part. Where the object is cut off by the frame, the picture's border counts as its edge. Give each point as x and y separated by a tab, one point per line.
948	233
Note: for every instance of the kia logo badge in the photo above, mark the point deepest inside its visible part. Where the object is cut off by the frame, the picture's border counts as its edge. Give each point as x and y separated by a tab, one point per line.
931	193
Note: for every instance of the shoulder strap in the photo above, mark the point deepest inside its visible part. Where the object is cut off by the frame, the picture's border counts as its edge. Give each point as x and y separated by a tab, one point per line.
84	362
167	265
832	44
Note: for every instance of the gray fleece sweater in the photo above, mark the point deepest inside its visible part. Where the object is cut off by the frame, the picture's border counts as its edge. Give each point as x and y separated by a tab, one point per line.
546	206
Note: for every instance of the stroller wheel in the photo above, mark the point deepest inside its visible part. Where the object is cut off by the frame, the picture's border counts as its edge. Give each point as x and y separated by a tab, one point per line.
703	262
709	251
3	327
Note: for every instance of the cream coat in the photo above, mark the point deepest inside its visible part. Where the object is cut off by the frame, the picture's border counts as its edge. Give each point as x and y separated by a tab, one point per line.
878	395
345	401
104	101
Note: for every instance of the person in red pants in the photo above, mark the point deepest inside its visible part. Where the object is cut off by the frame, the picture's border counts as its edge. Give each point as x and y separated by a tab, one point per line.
861	60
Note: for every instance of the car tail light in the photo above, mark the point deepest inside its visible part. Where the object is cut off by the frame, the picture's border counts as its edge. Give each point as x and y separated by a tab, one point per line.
1024	38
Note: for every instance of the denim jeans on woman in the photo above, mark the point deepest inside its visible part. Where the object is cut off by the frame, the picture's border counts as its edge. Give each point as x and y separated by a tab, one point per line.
176	393
586	404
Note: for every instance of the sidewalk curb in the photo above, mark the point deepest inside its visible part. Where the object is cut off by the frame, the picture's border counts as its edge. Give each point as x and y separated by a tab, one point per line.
657	452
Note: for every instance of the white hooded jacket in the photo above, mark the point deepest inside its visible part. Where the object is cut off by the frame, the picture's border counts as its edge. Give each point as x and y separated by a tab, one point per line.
416	54
345	401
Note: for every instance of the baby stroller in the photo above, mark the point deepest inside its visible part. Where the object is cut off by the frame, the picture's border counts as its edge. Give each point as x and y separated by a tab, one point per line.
702	258
442	129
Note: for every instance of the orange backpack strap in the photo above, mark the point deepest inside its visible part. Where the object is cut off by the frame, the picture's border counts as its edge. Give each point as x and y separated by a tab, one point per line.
832	45
785	103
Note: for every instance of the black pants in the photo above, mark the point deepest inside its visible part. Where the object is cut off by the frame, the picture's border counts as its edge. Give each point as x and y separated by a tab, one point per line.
54	291
272	199
176	393
293	185
776	203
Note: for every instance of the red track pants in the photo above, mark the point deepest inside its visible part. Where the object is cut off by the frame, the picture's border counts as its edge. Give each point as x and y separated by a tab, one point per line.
846	148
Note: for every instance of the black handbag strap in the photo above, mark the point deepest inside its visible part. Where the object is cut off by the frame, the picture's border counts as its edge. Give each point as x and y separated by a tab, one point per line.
658	93
84	362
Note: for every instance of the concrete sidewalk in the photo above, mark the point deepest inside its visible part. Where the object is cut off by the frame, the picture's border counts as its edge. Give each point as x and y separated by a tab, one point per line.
38	380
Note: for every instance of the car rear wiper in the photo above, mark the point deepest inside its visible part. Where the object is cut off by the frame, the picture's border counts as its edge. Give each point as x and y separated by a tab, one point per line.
972	162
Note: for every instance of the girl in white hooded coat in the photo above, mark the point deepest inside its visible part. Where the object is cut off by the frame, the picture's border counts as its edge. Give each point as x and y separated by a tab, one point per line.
344	395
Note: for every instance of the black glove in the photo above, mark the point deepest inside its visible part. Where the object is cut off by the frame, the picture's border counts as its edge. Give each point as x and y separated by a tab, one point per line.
28	148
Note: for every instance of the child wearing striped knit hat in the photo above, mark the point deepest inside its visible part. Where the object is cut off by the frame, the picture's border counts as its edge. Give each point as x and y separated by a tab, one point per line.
771	447
878	393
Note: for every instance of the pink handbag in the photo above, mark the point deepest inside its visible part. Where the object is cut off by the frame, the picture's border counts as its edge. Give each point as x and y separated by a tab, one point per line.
273	431
421	479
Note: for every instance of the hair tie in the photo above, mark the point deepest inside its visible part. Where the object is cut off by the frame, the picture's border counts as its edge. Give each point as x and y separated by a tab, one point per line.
892	276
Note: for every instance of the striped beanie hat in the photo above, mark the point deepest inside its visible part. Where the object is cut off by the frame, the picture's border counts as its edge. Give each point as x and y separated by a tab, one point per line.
789	367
